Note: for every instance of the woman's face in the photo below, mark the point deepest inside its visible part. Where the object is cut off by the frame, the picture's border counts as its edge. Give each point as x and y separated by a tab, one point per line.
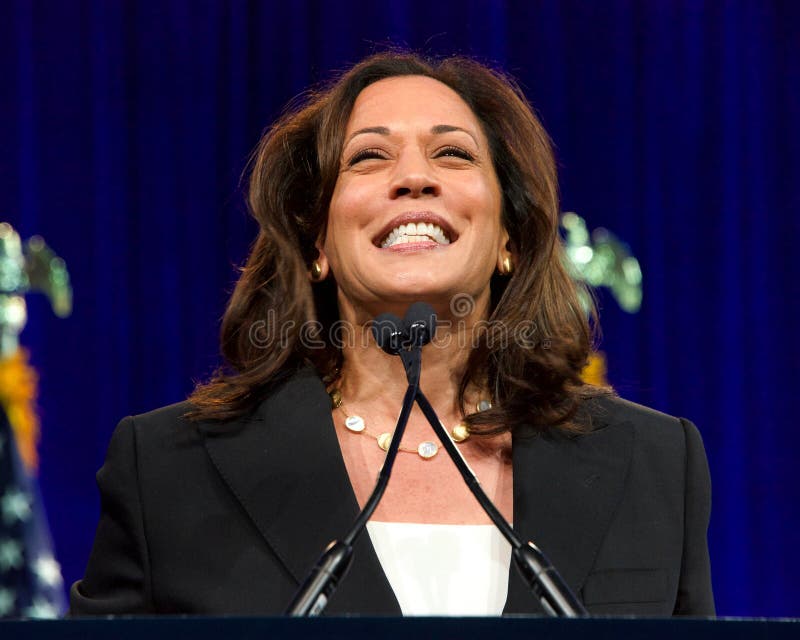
415	214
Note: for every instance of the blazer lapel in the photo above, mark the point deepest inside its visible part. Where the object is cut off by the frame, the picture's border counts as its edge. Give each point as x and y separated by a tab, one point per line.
285	468
566	490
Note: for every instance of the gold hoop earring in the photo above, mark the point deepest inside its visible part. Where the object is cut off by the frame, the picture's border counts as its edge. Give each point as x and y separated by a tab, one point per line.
316	271
506	268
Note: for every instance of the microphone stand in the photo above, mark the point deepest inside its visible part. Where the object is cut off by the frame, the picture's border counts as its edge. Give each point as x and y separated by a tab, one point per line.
313	595
540	575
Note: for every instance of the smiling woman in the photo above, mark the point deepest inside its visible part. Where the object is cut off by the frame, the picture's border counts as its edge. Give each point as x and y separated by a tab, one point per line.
405	180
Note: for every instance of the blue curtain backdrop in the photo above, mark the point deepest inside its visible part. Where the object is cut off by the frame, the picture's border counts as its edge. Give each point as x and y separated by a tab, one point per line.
124	127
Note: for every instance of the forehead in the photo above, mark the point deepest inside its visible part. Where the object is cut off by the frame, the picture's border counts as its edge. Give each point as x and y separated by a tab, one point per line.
405	100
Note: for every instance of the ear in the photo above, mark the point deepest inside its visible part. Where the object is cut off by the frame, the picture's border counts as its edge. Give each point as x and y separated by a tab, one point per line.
322	261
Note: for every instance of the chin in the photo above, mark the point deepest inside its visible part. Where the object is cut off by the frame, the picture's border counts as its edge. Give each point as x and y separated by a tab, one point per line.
441	298
411	288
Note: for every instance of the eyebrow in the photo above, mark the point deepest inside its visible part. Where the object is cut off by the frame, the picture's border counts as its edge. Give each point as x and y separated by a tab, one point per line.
436	130
447	128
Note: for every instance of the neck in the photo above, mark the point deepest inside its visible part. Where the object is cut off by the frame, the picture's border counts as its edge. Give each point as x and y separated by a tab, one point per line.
370	375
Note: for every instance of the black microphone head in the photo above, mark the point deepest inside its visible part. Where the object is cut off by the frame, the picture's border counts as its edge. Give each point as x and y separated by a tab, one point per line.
387	330
420	322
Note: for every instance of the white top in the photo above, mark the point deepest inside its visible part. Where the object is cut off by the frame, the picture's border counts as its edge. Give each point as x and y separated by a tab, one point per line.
444	569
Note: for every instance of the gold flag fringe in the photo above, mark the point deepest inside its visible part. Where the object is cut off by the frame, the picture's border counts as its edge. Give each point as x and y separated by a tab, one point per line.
595	371
18	392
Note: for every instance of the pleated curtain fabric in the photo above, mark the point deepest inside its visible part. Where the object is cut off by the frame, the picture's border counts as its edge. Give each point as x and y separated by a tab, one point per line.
125	128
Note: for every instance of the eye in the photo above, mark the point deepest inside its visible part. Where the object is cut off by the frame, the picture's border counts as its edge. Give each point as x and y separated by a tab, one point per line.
454	152
367	154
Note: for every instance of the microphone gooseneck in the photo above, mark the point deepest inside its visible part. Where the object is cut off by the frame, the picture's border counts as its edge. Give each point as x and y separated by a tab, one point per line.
397	333
537	571
392	336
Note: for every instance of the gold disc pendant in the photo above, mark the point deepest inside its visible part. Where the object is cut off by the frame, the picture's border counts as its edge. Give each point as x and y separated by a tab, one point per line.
384	440
459	432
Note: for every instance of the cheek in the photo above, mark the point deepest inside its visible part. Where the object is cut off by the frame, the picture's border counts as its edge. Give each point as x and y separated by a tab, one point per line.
342	227
347	206
485	201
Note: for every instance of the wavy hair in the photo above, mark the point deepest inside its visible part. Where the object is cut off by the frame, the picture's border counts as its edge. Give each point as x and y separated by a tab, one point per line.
293	171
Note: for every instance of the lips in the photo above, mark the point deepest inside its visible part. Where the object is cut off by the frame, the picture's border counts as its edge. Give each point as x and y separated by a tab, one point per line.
415	227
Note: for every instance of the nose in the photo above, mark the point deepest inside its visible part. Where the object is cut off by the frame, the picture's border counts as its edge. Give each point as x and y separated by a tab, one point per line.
414	177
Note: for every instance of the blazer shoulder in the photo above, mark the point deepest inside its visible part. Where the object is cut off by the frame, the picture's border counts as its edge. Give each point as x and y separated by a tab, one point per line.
168	415
609	410
169	424
649	425
159	430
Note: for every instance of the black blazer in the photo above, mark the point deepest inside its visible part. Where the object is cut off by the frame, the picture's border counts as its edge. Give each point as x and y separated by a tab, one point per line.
228	519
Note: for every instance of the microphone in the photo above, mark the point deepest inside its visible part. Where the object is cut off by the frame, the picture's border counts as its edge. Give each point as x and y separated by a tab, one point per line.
420	321
416	329
419	325
405	337
388	331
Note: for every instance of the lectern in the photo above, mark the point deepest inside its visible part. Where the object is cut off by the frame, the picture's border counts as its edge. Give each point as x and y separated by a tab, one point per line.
359	628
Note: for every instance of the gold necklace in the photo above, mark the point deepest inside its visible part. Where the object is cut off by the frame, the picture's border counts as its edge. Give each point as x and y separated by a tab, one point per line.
425	450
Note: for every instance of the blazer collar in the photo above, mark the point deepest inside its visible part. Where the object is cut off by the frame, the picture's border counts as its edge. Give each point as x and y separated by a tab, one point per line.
285	468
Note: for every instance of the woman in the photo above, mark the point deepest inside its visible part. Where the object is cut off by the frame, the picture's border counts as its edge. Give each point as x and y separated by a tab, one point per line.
406	180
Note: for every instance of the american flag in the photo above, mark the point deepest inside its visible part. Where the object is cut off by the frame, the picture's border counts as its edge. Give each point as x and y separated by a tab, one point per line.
30	578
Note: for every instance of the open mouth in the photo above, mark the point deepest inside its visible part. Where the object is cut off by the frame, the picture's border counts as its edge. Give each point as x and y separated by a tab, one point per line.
415	232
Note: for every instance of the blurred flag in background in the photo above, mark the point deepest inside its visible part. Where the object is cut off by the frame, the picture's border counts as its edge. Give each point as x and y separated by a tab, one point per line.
30	578
31	585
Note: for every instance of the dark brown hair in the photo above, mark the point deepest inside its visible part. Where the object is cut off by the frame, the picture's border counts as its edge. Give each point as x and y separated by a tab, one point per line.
535	378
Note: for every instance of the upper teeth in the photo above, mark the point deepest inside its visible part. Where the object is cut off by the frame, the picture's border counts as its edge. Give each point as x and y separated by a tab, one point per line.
415	232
